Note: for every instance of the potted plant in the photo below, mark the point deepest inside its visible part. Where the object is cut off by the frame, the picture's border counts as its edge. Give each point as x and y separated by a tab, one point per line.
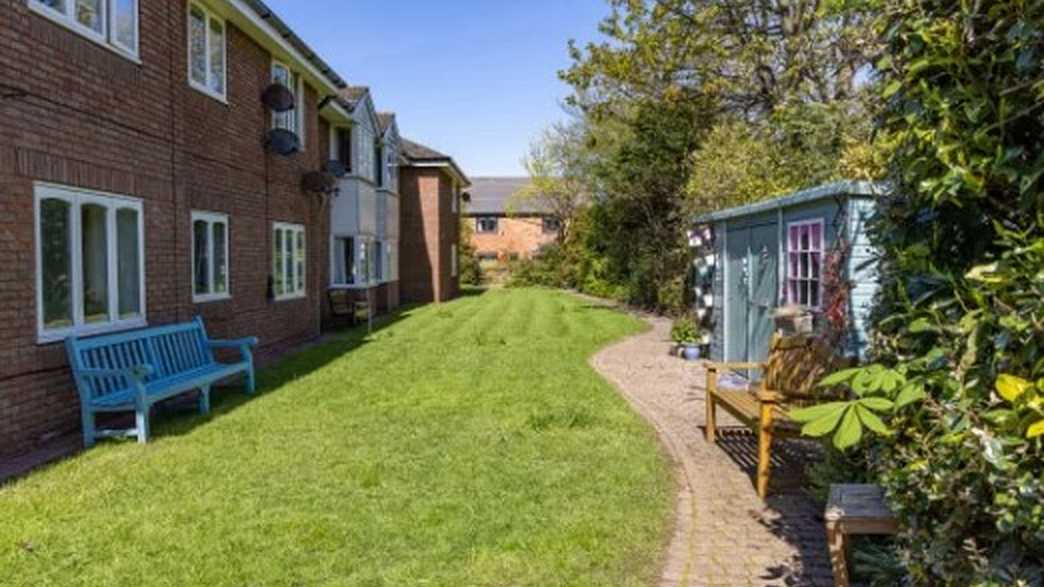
688	336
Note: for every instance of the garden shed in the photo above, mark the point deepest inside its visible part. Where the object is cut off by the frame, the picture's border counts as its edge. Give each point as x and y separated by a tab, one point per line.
753	259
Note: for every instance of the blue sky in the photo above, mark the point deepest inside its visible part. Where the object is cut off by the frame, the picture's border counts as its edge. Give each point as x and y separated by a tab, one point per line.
475	79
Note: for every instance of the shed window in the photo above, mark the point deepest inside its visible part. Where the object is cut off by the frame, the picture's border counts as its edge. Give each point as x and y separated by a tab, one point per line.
805	263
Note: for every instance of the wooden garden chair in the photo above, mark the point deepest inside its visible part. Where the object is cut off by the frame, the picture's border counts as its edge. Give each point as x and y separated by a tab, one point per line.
788	379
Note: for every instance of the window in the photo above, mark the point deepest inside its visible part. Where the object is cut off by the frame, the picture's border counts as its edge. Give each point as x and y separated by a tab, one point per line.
804	263
344	260
209	256
378	163
291	120
206	51
379	272
392	274
364	147
390	170
341	147
112	23
486	224
453	261
90	262
288	260
552	225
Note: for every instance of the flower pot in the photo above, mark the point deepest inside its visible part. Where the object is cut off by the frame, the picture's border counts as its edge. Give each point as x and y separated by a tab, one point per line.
690	352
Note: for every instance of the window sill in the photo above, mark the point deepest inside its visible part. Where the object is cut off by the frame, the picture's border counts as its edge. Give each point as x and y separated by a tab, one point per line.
80	32
291	298
223	98
52	336
211	298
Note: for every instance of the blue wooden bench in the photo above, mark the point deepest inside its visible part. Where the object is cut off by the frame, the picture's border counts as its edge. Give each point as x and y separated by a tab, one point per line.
132	371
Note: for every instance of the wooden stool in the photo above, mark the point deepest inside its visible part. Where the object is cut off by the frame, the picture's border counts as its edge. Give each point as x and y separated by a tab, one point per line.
854	509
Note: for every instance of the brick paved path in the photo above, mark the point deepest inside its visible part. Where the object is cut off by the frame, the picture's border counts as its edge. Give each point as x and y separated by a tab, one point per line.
724	535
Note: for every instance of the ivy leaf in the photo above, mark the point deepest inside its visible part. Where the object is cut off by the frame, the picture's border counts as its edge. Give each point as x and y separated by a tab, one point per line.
850	432
871	421
910	393
1011	387
921	325
1035	430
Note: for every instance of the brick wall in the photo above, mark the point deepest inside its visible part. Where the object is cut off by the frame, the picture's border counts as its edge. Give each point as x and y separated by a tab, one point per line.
515	235
93	119
428	231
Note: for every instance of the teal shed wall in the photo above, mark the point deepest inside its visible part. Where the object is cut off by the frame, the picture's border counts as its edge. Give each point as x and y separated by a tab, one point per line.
847	205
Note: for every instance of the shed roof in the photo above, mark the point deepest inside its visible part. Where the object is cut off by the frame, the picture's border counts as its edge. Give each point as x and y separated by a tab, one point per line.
864	189
490	195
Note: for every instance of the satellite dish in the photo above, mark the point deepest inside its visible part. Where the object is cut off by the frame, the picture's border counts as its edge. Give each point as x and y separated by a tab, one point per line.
322	182
278	98
336	168
282	142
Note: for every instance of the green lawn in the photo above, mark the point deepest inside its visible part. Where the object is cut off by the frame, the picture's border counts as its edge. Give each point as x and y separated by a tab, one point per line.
462	444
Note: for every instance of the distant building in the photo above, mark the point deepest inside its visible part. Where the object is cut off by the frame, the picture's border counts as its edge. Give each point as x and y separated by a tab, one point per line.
430	186
501	233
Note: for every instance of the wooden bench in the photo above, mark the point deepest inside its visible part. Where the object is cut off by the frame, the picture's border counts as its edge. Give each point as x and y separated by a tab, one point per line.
855	509
789	378
132	371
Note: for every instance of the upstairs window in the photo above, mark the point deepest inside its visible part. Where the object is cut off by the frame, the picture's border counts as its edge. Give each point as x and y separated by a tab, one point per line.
378	163
288	260
206	50
486	224
90	262
291	120
209	256
364	147
113	23
805	263
341	147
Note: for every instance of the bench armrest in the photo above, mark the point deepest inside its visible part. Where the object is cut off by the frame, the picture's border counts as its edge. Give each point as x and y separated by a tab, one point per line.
138	373
233	344
767	396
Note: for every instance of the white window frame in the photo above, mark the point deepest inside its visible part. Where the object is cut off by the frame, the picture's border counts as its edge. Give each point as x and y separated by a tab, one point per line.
76	198
298	118
822	261
208	16
67	18
291	291
211	218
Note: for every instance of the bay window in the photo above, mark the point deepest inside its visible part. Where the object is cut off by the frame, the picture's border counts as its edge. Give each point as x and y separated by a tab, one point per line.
804	263
90	262
288	260
209	256
111	23
207	51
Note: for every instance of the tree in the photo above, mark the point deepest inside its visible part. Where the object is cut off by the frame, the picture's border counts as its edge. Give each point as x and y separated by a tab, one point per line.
558	172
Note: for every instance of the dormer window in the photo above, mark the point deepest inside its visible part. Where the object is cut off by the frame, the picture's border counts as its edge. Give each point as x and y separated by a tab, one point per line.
112	23
291	120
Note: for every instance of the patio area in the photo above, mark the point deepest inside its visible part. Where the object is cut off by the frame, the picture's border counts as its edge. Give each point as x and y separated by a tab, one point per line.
724	534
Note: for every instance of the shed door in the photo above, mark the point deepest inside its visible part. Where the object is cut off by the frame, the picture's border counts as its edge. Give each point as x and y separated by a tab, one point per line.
751	291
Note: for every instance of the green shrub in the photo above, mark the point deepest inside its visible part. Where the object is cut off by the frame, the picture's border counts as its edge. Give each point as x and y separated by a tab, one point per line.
685	330
959	321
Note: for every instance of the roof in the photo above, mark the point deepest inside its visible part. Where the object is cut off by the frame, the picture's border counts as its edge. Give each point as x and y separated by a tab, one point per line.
490	195
266	13
385	119
831	190
352	94
420	155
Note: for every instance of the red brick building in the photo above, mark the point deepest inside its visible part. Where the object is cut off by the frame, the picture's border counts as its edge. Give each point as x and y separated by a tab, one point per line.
140	185
507	228
430	190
